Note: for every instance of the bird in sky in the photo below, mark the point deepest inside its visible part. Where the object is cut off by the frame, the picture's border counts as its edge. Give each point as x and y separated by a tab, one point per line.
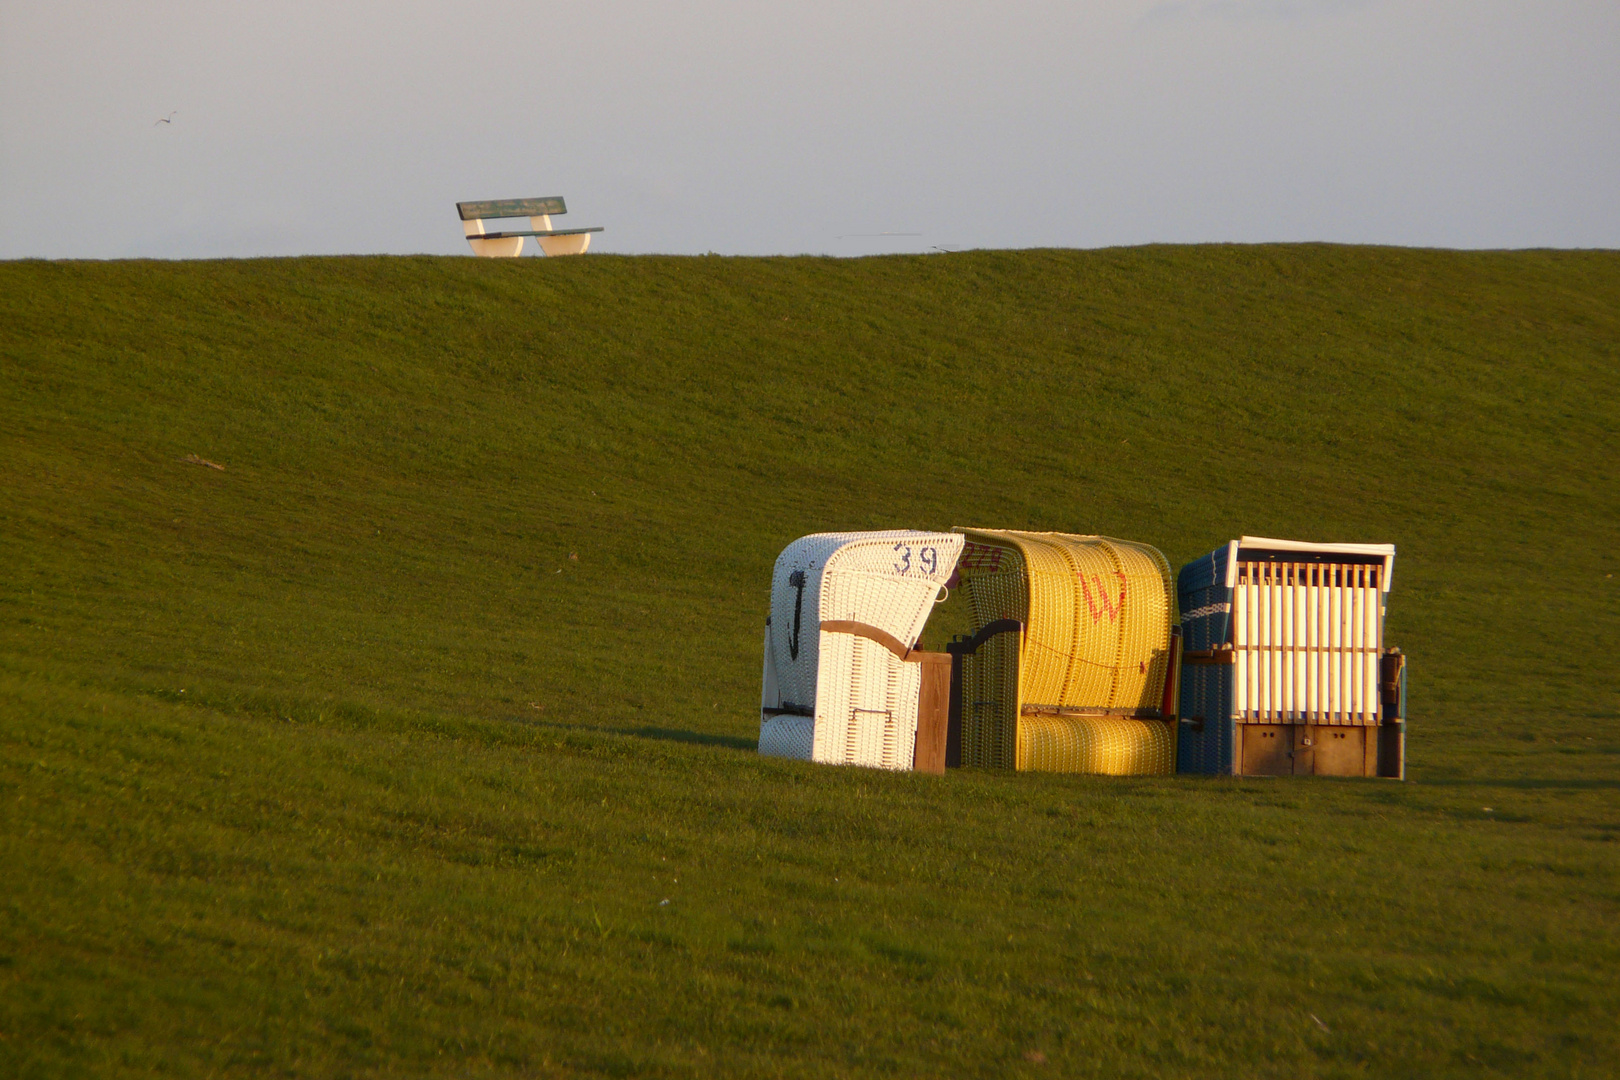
166	119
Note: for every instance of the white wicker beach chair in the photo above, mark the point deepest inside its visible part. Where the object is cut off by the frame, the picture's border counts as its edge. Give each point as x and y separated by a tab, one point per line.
842	675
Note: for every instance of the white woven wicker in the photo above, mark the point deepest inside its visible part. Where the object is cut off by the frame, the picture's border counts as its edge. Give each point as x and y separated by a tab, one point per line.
861	699
787	736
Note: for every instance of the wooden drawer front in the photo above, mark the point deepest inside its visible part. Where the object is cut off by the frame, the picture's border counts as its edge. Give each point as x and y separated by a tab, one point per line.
1308	750
1342	751
1268	749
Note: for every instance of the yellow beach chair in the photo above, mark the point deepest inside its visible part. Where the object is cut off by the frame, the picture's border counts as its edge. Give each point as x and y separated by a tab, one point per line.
1071	665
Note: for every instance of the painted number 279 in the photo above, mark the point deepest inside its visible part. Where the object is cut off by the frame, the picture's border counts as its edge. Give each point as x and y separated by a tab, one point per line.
927	559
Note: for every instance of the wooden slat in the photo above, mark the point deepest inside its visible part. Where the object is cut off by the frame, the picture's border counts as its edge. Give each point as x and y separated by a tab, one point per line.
1352	659
1252	664
1169	701
537	232
933	711
498	208
1307	640
1310	695
1324	611
1261	686
1290	695
1369	634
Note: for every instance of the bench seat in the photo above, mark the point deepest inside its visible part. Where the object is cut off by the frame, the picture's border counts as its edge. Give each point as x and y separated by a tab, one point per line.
536	232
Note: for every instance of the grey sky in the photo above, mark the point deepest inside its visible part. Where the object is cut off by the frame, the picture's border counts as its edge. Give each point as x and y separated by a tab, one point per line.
744	127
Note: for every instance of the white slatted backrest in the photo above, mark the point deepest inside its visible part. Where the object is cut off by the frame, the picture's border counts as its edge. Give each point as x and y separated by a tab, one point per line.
1308	637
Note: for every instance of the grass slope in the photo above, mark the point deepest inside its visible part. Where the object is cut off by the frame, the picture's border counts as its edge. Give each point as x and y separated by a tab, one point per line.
379	751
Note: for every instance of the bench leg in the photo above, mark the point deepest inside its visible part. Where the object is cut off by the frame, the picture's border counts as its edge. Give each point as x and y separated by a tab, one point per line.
565	245
558	245
509	247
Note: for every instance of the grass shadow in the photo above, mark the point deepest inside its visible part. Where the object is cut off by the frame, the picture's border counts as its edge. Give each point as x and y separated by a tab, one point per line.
1526	783
661	734
732	742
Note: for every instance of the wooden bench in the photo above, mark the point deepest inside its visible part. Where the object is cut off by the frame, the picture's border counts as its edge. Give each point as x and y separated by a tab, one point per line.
507	245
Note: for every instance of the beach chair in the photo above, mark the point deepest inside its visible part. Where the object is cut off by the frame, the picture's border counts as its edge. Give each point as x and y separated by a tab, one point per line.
1070	666
1285	671
843	681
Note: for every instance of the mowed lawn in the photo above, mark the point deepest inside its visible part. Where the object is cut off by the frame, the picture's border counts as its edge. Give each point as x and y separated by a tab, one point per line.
419	739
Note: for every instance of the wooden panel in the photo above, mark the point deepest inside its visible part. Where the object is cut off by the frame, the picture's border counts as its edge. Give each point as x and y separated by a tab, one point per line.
1392	751
1267	749
495	208
1340	751
1305	749
1390	668
1170	701
933	711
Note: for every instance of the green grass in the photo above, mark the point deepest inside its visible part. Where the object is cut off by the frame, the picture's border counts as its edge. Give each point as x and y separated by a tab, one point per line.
377	752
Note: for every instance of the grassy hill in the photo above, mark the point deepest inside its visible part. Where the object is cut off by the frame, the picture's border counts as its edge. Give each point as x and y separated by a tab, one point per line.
379	750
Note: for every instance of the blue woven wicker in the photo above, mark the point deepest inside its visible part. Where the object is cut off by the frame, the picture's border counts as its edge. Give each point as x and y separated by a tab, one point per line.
1207	737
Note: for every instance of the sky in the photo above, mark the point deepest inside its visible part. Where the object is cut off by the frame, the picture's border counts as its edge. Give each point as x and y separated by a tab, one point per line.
833	127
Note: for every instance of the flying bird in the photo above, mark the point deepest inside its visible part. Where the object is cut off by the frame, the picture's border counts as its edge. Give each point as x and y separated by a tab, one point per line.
166	119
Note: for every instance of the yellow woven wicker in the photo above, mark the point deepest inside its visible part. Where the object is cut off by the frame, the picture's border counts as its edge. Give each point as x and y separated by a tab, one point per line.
1103	745
997	588
1097	614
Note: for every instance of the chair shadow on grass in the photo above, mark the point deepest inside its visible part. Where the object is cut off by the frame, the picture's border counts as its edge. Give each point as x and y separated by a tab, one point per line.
731	742
660	734
1525	783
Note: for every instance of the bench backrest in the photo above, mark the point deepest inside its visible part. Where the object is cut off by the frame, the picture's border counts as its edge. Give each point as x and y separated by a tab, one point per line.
510	208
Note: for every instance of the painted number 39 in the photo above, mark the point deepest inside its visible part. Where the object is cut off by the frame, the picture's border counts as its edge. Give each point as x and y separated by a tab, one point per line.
927	559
